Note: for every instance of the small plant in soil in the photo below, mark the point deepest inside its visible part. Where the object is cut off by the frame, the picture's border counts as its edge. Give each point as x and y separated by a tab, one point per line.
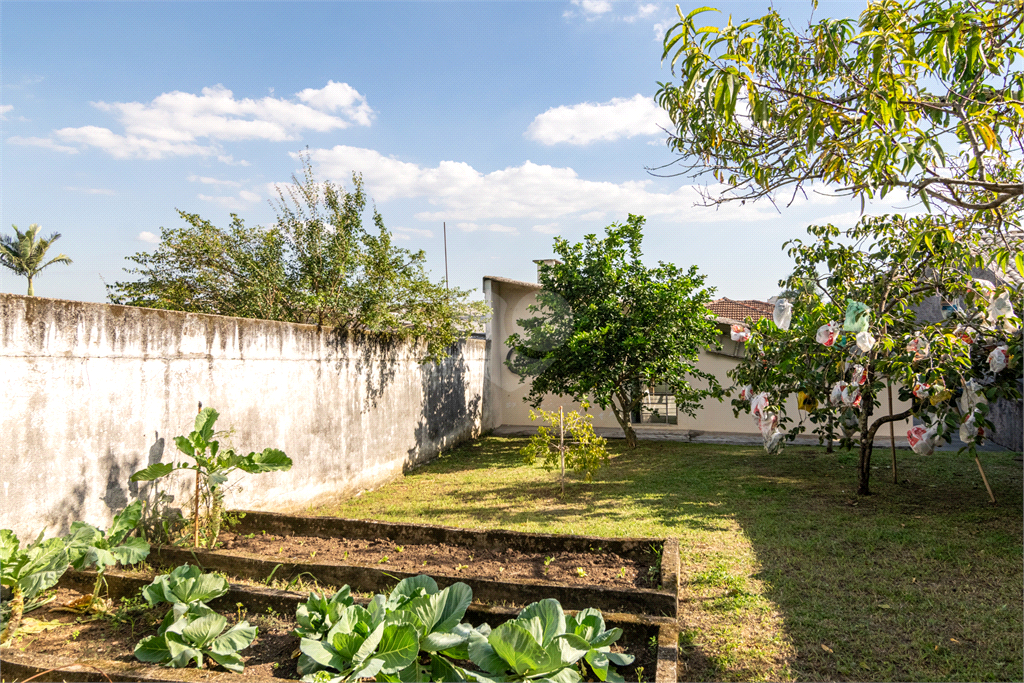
212	468
382	560
88	546
622	573
581	572
27	572
399	548
320	613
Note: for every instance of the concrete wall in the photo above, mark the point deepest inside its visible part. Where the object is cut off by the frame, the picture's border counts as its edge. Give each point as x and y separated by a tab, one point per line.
510	300
94	392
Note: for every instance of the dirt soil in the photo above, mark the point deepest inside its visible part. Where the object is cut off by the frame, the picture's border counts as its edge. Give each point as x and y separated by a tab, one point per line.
113	638
599	568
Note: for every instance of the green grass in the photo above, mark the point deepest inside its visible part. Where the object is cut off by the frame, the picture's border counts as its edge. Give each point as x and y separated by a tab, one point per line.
786	573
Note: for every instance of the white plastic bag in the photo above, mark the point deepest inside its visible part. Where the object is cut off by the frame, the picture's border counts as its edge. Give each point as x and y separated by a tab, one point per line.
828	333
859	376
965	334
851	396
921	390
1001	307
783	314
758	404
971	397
865	341
970	431
984	287
740	333
850	424
835	397
746	391
998	358
773	444
767	423
919	346
922	439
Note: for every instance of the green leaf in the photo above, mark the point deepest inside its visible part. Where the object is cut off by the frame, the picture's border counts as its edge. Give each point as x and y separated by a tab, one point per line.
322	655
620	658
454	601
347	644
152	649
550	615
409	588
154	471
238	637
204	423
203	630
269	460
484	655
181	652
516	646
185	446
398	648
229	660
132	551
124	522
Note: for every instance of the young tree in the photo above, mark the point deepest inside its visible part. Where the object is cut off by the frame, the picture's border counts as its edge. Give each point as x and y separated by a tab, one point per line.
318	264
607	326
25	254
867	324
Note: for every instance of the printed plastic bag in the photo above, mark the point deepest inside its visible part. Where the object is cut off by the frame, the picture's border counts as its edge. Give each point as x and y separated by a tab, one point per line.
773	444
970	431
851	396
740	333
984	287
827	334
850	424
783	314
965	334
919	346
767	423
998	358
859	376
805	402
1000	307
922	439
972	396
746	392
758	404
858	317
865	342
921	390
835	397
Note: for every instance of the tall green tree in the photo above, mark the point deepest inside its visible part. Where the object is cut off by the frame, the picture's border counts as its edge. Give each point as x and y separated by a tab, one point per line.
607	327
925	97
25	253
317	264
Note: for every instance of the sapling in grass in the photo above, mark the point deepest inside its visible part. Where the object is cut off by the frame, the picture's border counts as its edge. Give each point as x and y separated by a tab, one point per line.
27	572
212	467
567	440
88	546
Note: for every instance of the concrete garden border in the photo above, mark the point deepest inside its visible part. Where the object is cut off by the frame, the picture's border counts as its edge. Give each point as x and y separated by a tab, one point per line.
19	665
660	602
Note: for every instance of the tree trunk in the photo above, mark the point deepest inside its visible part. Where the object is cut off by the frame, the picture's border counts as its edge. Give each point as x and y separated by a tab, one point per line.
31	289
867	441
622	416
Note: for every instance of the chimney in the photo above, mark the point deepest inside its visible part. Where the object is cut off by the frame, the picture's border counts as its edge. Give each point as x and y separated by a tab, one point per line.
545	262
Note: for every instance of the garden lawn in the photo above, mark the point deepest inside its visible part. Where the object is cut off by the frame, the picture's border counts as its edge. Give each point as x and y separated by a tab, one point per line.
786	573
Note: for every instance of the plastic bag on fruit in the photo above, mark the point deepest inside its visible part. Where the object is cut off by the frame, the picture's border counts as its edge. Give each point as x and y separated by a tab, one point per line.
758	404
835	397
919	346
859	375
850	424
806	402
827	334
972	396
740	333
851	396
1000	307
858	317
773	444
783	314
984	287
921	390
746	392
965	334
865	341
970	431
767	423
998	358
922	439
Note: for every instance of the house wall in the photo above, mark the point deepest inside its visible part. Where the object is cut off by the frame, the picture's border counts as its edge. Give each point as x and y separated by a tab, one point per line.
510	301
93	392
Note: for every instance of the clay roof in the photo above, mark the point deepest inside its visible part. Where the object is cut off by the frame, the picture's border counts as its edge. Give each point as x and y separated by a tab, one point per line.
741	310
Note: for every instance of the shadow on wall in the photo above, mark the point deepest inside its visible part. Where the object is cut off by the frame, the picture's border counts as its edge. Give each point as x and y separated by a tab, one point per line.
376	358
448	417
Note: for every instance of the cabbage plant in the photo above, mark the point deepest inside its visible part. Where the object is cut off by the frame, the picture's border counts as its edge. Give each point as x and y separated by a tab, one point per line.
589	625
319	613
27	572
183	587
197	632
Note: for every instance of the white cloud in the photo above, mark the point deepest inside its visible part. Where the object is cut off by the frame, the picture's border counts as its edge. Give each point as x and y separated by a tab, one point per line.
660	28
212	181
185	124
91	190
41	142
493	227
593	8
249	196
242	201
592	216
146	236
547	229
641	12
530	191
4	108
408	232
582	124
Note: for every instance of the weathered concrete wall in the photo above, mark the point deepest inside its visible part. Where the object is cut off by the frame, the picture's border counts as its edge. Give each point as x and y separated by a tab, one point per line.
93	392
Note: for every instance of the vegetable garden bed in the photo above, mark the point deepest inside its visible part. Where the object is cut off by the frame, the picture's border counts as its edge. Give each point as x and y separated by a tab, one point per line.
102	649
631	575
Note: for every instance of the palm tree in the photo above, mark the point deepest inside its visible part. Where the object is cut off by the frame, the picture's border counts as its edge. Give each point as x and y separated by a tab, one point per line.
25	254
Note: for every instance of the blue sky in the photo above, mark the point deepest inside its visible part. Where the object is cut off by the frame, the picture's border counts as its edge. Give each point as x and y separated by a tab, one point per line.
509	122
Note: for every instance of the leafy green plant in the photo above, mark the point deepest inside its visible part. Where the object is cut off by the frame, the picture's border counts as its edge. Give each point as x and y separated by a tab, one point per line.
320	613
588	624
88	546
183	587
27	572
584	451
212	467
197	632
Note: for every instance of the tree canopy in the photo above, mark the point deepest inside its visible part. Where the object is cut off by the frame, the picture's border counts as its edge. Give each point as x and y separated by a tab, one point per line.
25	253
317	264
607	327
924	96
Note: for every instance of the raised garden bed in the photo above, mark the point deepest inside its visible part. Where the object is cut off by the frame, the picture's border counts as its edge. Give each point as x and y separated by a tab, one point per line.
631	575
101	650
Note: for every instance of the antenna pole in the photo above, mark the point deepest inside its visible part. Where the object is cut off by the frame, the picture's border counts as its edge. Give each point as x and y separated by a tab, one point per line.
444	228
